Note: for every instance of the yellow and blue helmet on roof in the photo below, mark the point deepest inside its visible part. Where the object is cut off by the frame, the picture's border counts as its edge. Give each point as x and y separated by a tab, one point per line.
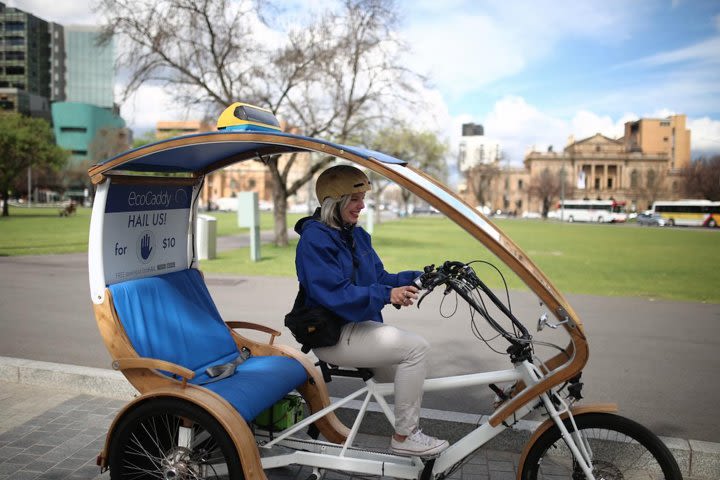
243	116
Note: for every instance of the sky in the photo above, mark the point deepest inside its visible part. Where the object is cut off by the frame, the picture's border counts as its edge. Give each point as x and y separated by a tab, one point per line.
534	73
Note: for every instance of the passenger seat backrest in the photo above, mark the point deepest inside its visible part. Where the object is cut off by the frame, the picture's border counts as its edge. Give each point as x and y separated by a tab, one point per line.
172	317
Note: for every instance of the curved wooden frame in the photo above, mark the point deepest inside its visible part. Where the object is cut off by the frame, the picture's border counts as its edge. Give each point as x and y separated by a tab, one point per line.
142	374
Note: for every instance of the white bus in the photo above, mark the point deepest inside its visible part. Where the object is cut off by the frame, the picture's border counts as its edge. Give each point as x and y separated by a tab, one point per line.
600	211
689	213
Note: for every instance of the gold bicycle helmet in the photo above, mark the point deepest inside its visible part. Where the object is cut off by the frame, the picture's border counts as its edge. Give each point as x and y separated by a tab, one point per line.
341	180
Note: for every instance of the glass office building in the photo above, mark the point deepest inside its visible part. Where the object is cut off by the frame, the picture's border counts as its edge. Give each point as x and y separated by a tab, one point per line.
87	123
90	67
25	62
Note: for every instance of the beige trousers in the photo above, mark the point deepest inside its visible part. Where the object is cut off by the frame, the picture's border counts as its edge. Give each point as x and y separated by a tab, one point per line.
393	355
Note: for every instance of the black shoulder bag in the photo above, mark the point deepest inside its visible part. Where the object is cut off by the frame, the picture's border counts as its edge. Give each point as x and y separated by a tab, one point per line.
315	327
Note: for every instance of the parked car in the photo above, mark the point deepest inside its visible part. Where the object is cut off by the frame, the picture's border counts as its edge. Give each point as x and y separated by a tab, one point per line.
650	219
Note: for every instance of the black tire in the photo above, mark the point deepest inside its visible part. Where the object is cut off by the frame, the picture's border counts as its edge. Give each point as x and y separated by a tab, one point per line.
671	222
144	444
621	448
571	219
712	223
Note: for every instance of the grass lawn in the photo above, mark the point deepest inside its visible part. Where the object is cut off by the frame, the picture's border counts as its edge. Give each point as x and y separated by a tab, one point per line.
40	231
616	260
624	260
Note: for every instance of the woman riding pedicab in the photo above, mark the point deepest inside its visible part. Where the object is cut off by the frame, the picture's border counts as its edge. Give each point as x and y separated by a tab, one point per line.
338	269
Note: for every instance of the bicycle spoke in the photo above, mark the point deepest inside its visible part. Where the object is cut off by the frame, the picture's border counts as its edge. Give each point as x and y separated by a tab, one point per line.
143	451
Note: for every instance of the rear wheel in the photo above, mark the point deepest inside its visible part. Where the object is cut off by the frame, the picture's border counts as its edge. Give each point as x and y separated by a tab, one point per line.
711	223
620	449
169	438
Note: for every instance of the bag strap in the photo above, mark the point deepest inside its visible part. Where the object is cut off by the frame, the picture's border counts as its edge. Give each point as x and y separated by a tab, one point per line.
220	372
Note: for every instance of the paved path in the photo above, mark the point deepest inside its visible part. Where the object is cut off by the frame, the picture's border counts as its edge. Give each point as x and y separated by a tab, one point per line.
60	436
658	359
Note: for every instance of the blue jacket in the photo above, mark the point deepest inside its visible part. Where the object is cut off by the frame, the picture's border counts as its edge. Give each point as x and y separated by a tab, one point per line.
325	268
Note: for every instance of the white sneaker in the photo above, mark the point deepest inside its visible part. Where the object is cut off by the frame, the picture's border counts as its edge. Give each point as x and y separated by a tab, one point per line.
418	444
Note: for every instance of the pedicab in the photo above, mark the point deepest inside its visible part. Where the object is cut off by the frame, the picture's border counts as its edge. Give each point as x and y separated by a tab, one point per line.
203	381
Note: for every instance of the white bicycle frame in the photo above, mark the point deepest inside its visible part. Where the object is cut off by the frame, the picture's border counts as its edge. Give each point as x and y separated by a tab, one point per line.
348	458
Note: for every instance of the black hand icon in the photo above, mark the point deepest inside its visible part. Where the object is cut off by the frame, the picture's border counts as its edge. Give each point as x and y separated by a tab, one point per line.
145	247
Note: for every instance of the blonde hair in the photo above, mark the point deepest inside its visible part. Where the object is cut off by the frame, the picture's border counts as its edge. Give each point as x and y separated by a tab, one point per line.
330	211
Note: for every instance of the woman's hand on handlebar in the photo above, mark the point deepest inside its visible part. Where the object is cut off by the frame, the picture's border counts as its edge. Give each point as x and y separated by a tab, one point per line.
403	296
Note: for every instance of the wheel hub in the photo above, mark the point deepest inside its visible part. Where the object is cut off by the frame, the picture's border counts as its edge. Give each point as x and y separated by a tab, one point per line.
601	471
607	471
179	465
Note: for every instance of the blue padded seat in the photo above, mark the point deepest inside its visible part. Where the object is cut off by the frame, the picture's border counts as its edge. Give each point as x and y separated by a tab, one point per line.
172	317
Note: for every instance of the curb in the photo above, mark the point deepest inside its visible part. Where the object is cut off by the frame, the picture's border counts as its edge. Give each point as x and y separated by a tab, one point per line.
697	459
87	380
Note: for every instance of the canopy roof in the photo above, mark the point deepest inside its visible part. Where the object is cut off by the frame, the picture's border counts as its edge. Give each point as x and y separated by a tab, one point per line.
200	154
205	152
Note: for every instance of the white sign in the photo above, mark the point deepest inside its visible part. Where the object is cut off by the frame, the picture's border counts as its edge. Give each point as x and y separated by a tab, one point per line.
146	231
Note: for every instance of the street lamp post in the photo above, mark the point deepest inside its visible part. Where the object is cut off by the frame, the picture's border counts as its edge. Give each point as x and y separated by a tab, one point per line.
29	186
562	193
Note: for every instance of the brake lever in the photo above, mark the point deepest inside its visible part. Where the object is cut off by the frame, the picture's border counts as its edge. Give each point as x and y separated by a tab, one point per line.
427	292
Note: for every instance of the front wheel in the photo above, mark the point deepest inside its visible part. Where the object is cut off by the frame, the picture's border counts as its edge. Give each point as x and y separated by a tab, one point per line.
620	449
169	438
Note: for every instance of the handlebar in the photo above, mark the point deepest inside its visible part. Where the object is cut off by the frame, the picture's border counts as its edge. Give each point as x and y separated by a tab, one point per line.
461	278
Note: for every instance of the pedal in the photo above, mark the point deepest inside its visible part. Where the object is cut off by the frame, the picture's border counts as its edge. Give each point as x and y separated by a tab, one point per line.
317	474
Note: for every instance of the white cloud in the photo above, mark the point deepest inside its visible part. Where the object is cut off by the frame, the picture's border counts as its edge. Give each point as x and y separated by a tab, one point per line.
456	53
520	126
704	136
151	104
707	51
65	13
586	124
469	45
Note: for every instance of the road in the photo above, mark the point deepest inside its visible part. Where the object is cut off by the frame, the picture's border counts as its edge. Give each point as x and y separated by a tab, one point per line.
657	359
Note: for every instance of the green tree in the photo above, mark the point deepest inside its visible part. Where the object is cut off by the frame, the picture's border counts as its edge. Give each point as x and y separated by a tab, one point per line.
421	149
25	142
150	137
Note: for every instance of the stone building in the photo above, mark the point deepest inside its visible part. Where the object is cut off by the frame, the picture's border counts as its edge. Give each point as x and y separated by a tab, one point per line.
638	168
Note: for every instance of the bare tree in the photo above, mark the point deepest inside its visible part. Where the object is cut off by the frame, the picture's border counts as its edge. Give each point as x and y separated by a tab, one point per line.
654	187
547	187
332	77
379	184
702	178
479	180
